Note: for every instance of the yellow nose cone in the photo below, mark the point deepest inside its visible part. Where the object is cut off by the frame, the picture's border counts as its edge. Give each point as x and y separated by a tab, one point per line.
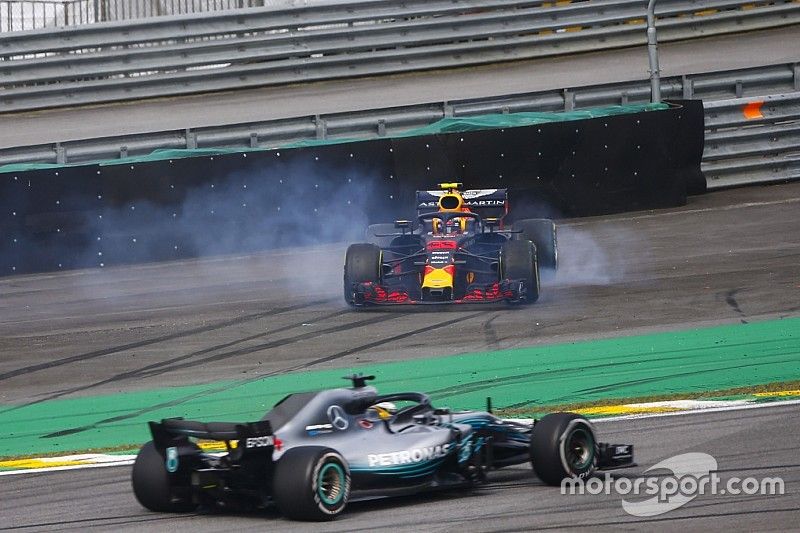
438	278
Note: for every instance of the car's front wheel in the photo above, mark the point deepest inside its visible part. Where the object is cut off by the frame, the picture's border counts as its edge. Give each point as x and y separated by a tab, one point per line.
563	445
311	483
362	263
518	261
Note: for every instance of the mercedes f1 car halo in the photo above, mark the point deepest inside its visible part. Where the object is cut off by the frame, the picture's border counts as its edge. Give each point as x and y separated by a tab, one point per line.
316	451
451	253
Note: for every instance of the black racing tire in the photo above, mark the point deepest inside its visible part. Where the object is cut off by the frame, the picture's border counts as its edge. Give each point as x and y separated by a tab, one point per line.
373	230
542	233
362	263
151	483
311	483
563	445
518	261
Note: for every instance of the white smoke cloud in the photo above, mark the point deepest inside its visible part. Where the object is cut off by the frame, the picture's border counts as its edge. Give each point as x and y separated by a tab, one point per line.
597	253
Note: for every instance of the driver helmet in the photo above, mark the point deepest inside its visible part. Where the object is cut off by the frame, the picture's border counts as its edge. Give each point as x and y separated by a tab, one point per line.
455	225
384	410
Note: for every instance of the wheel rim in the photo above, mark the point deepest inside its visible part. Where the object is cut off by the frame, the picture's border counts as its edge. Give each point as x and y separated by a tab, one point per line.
579	448
331	484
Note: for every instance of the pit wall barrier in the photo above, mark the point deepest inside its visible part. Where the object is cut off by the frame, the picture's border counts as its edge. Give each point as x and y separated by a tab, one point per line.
189	203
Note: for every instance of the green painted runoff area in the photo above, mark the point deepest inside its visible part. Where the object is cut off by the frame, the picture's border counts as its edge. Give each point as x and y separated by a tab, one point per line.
694	361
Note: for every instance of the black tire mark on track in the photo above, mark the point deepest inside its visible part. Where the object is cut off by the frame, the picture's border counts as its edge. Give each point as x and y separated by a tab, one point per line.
730	299
214	390
151	369
172	336
387	340
490	334
273	344
475	386
98	522
615	386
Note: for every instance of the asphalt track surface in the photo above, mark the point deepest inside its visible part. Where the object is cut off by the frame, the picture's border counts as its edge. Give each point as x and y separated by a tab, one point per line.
756	443
726	257
729	52
729	256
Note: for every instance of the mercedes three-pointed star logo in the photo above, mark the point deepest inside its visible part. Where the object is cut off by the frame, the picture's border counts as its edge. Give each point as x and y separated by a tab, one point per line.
337	417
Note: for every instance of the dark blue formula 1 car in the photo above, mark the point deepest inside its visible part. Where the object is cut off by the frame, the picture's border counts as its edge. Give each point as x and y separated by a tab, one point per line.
316	451
458	250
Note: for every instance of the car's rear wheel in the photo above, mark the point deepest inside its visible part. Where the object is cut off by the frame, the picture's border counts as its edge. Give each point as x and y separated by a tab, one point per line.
362	263
374	231
542	233
518	261
311	483
563	445
152	486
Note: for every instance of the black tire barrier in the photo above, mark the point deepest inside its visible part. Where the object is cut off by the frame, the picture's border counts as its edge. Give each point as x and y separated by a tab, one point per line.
93	215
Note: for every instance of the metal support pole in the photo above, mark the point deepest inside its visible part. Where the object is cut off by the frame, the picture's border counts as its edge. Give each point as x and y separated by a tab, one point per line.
322	127
796	76
652	51
191	139
569	100
61	154
447	109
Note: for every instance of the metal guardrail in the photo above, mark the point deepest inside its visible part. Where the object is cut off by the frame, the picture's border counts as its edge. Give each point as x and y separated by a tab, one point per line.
378	122
749	138
268	46
752	140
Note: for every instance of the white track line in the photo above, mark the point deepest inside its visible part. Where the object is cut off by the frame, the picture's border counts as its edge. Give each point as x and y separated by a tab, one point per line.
734	407
737	407
126	462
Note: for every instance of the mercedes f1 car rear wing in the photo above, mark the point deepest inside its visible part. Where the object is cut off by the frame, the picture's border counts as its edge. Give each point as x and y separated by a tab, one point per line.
174	433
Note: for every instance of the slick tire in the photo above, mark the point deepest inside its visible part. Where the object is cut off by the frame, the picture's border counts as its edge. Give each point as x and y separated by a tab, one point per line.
563	445
362	263
151	484
518	261
311	483
542	233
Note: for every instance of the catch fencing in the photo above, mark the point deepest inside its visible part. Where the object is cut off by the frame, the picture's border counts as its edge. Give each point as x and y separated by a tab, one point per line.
22	15
204	52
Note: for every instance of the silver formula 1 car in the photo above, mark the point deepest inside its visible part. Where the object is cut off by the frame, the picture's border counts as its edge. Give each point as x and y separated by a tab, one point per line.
316	451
